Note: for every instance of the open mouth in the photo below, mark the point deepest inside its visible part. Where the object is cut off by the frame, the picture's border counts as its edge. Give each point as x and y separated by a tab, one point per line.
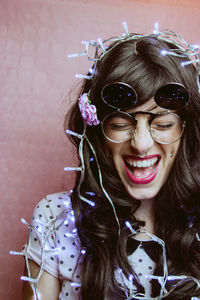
141	171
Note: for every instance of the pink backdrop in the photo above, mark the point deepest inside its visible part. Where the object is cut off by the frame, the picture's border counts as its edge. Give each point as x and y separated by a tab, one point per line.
35	76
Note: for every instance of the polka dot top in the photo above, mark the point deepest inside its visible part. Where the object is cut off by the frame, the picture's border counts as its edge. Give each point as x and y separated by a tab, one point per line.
62	262
53	239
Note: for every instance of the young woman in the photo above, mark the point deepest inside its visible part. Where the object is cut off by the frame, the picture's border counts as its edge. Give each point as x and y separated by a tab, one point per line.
130	227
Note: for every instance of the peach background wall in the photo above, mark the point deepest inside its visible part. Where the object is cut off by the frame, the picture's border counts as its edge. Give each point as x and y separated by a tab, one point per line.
35	76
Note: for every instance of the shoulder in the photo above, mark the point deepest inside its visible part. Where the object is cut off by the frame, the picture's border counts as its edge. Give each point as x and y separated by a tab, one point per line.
53	217
53	205
54	213
53	240
53	227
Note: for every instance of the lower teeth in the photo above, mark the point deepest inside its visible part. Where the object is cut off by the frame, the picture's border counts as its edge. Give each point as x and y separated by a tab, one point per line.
154	167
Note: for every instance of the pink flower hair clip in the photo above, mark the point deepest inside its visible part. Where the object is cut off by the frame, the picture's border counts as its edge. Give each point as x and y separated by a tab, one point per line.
88	111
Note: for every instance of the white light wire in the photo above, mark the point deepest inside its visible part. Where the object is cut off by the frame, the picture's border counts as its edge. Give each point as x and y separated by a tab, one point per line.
51	227
101	184
82	137
183	49
47	231
162	280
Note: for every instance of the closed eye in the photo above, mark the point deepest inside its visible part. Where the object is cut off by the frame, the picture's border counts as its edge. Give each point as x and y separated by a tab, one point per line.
163	126
120	126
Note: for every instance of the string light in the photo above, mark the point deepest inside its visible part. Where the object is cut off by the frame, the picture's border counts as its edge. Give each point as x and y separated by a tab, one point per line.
182	51
101	45
164	52
47	230
82	76
52	252
39	226
72	169
198	237
74	133
131	293
91	71
75	284
126	28
16	253
123	282
191	52
130	227
31	280
83	251
68	215
90	193
156	31
66	222
186	63
77	55
24	221
67	234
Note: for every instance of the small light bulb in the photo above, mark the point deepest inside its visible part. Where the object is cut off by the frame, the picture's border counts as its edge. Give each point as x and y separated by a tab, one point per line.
125	27
66	222
155	31
164	52
83	251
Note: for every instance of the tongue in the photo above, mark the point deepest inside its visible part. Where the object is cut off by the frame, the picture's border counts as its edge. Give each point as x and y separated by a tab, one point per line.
142	172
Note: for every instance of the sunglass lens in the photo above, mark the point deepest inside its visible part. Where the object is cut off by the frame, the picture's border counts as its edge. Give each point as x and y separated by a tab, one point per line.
119	95
172	96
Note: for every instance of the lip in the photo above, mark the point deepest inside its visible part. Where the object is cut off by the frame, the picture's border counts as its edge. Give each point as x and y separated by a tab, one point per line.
144	180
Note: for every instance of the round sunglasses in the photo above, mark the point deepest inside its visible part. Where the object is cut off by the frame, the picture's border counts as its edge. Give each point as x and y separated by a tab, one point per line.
122	96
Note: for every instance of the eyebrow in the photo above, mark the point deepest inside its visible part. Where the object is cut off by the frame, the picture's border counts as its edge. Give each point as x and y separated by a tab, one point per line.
154	106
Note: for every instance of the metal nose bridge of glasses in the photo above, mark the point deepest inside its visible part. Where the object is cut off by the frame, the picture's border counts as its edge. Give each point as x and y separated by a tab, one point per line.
159	135
132	132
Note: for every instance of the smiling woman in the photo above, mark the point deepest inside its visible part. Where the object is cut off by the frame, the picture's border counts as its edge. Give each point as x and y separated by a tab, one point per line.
143	144
130	227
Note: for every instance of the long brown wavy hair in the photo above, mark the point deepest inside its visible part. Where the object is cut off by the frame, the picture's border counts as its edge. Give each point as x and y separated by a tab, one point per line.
177	205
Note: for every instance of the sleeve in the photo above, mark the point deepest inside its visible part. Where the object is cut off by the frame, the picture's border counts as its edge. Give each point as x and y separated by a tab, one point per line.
41	247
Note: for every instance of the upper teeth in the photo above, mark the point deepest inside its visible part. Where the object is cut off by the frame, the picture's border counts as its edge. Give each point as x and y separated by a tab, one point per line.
141	163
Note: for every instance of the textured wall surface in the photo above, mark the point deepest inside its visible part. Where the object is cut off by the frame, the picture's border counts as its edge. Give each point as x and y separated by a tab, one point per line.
35	77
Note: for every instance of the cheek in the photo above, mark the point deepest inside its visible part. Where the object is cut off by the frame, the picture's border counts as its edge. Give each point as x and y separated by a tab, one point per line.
175	150
111	148
171	151
113	151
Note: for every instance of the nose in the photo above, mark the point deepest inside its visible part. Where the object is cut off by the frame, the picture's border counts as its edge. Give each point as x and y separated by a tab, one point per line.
141	139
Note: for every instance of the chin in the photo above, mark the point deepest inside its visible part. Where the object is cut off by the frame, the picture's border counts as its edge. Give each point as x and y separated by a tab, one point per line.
142	193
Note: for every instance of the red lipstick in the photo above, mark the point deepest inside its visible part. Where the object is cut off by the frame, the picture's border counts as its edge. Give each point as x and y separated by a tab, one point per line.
142	180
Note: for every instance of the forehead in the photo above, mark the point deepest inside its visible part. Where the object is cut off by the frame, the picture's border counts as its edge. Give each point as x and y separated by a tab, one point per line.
150	106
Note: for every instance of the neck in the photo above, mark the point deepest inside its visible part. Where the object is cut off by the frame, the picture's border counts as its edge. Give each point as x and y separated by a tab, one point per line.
145	213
